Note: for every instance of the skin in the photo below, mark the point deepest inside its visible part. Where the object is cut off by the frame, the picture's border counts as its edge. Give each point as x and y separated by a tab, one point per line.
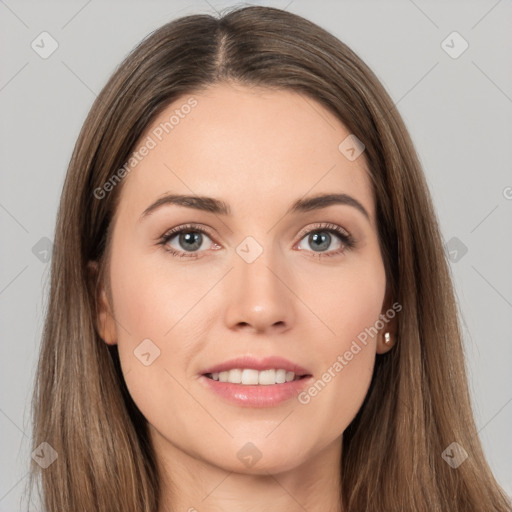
259	151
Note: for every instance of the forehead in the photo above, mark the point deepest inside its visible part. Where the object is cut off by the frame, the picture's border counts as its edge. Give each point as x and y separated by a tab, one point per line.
252	147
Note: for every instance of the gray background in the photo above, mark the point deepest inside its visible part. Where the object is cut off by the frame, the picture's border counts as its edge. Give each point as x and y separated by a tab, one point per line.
458	111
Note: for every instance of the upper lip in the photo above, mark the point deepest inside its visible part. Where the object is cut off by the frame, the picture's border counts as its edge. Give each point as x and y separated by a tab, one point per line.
266	363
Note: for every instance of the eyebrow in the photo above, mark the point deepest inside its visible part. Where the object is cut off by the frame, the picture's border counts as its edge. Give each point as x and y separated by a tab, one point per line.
219	207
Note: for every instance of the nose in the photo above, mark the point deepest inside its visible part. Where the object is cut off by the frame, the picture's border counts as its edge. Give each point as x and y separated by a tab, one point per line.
259	299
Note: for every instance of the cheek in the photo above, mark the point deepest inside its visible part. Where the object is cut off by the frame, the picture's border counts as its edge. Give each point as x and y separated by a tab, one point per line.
154	332
150	297
349	300
350	306
156	299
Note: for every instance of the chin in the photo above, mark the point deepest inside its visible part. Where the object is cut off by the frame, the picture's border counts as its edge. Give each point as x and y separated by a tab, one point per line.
262	456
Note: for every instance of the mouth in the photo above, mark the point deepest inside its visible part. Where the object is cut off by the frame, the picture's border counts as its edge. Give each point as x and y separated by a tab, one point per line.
252	377
250	382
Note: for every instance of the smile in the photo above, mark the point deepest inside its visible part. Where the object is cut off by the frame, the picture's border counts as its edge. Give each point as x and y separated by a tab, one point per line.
251	377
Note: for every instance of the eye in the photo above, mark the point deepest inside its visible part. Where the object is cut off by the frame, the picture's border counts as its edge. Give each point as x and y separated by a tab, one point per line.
189	241
321	239
184	241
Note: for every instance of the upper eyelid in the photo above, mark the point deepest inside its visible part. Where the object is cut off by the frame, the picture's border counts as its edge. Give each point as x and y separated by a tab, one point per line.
186	227
317	226
327	226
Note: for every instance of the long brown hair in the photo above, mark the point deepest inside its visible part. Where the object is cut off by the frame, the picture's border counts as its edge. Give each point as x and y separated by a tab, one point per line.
418	401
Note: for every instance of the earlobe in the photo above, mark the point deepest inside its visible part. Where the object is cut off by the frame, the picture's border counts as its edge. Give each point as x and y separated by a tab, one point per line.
104	320
386	341
387	336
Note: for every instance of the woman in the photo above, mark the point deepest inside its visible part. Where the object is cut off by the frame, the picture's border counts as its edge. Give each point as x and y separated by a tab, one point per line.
250	305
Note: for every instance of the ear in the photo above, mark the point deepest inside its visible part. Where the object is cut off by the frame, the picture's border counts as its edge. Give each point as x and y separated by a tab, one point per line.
388	316
104	321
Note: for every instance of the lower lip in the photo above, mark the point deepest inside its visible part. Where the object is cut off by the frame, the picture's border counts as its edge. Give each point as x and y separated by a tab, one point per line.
256	396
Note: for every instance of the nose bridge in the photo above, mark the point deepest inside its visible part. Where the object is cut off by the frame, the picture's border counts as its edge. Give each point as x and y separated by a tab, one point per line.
258	297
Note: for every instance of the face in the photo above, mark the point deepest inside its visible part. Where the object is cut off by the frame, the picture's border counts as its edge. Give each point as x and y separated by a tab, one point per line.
275	297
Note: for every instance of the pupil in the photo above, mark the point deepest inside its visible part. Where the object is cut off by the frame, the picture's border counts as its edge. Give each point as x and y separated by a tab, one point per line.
192	238
324	239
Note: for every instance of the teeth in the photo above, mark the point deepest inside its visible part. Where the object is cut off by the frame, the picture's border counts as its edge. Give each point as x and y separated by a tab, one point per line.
267	377
234	376
249	377
252	377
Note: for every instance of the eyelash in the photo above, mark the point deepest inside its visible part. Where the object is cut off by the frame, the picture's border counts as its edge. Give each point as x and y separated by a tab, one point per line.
346	239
